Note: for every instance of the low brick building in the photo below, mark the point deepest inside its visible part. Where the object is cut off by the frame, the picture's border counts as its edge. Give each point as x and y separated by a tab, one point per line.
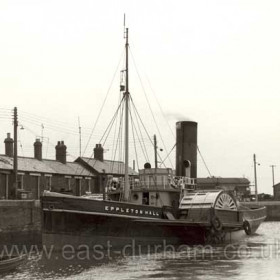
36	174
276	191
240	187
101	168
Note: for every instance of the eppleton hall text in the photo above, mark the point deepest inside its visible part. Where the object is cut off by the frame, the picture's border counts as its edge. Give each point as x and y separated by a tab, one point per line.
131	210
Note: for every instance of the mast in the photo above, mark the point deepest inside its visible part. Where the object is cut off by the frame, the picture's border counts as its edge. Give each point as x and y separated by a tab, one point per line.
126	94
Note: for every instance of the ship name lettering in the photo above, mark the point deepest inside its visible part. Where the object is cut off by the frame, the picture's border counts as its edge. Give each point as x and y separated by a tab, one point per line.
130	210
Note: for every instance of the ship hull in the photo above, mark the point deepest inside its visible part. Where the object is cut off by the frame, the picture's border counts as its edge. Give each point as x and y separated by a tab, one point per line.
78	223
81	230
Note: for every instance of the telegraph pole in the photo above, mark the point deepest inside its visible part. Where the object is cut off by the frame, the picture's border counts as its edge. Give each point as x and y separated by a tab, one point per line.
15	152
155	150
80	137
255	173
272	167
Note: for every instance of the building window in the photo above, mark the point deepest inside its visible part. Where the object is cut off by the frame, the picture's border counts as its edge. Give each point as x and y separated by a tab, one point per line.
78	185
68	182
48	182
88	184
20	181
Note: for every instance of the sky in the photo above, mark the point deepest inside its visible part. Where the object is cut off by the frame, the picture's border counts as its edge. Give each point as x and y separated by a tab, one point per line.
214	62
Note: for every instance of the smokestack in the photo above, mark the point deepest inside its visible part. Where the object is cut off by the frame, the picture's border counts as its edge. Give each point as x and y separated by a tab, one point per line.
38	149
9	146
98	152
186	148
60	154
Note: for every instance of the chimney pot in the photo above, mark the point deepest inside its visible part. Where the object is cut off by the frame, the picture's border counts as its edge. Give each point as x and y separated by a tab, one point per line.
9	146
38	149
98	152
61	152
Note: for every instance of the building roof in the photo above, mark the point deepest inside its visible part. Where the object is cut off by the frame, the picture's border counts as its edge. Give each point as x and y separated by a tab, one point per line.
221	181
26	164
106	166
277	185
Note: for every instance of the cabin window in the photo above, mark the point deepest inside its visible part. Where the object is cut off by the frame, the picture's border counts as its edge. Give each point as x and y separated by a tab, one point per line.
135	196
145	198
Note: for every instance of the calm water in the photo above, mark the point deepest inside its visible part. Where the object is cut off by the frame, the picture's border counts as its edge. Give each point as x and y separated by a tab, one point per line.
255	257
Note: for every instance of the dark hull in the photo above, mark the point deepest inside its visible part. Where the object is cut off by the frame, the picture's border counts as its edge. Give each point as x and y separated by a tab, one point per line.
91	230
10	263
88	224
80	222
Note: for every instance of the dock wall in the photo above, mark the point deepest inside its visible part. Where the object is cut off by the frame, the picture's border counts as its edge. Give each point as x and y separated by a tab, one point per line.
20	222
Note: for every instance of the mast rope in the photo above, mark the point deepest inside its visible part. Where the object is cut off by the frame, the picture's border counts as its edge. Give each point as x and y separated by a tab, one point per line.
204	162
104	101
118	140
161	110
140	138
168	154
151	111
135	150
142	145
144	127
108	129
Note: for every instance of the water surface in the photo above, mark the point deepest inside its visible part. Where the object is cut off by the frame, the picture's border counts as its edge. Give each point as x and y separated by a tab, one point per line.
255	257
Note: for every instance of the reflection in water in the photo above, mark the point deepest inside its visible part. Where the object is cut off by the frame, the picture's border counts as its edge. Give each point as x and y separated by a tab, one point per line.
255	257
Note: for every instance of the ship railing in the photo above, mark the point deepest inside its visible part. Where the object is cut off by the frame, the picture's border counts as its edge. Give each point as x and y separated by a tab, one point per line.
163	182
151	182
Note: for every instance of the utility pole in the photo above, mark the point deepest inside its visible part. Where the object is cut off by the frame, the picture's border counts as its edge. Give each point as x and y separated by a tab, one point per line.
80	137
255	173
155	149
272	167
15	152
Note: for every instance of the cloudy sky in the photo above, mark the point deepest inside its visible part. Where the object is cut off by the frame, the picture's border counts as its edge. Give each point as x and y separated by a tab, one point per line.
215	62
